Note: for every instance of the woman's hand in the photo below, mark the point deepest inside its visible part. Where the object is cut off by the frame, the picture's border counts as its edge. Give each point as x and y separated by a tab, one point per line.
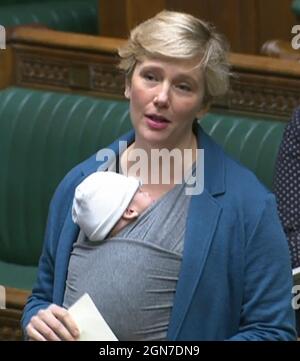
52	324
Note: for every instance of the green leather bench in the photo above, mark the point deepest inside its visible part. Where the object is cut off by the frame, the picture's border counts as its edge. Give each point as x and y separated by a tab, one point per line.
44	134
80	16
295	6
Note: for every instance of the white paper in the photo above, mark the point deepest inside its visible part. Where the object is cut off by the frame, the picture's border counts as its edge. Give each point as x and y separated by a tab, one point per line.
90	322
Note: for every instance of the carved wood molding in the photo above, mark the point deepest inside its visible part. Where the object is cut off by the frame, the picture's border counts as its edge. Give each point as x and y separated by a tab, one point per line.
37	70
254	95
81	74
107	79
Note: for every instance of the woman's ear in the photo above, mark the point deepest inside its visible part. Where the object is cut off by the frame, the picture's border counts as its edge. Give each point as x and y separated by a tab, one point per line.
127	89
130	214
202	111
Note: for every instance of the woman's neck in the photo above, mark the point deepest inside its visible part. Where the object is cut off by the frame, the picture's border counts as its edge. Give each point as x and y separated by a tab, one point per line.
189	142
157	164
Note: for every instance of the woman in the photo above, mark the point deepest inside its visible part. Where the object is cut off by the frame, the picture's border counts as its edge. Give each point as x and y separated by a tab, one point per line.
213	265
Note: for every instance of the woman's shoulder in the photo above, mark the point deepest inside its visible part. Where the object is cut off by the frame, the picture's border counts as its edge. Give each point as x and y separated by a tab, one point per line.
246	197
244	194
241	176
242	184
238	179
241	194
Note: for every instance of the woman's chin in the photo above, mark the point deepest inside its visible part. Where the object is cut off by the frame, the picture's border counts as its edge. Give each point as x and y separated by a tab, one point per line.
158	138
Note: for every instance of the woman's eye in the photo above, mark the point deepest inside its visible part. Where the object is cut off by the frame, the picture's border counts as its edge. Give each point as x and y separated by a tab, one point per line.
149	77
184	87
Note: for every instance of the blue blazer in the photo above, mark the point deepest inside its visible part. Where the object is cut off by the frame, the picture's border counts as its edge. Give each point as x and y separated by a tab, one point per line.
235	280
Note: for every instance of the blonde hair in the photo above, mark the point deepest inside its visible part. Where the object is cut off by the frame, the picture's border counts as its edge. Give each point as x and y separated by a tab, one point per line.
177	35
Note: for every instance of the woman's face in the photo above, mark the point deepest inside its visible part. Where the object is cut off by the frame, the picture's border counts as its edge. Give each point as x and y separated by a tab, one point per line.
165	98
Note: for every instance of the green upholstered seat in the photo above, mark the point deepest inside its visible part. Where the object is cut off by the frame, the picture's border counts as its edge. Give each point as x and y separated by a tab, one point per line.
17	276
296	7
44	134
13	2
252	141
80	16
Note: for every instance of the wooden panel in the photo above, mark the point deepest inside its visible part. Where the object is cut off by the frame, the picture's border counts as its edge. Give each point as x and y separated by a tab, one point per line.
138	12
113	18
225	16
199	8
10	328
118	17
6	70
246	23
275	20
16	298
233	18
263	86
247	29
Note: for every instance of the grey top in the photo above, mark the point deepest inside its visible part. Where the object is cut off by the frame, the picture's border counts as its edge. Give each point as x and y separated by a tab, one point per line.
132	276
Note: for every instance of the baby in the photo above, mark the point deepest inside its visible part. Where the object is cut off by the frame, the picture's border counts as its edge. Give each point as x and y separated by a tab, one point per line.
105	202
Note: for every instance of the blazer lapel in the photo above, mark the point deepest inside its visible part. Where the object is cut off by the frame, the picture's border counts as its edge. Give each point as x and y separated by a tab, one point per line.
202	220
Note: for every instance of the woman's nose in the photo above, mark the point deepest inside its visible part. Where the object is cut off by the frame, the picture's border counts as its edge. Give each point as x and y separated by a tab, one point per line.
162	97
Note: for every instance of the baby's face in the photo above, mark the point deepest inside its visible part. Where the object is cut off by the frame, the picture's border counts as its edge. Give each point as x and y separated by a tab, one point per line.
141	201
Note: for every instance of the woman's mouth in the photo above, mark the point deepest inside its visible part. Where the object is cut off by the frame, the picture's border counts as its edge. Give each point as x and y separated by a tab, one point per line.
156	121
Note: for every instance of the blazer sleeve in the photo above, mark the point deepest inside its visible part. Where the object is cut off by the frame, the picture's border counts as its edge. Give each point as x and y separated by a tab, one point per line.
266	312
42	293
